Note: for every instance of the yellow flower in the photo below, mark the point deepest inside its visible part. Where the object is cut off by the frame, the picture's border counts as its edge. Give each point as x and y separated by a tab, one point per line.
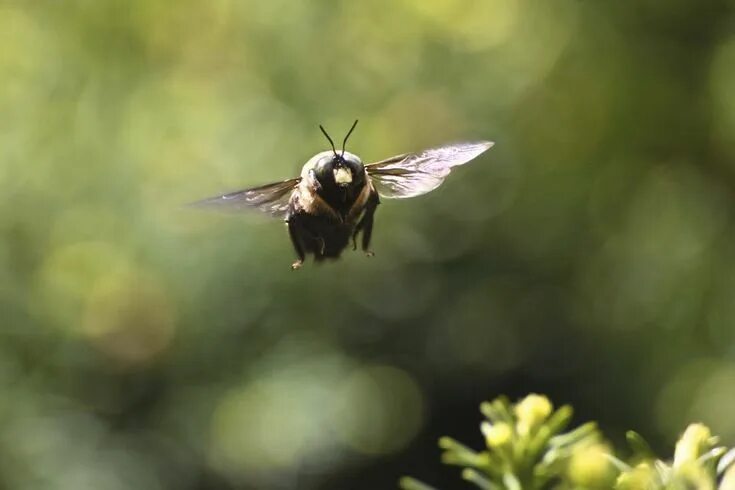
692	475
590	466
693	443
642	477
496	435
532	411
728	481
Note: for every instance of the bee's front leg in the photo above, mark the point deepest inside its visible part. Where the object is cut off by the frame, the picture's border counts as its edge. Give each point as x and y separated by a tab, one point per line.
366	225
295	231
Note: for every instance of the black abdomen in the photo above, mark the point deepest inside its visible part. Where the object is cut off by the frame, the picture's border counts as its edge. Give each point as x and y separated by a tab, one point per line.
320	235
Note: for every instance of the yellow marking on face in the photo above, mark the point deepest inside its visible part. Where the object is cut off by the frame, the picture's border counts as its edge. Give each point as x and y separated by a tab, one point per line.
342	175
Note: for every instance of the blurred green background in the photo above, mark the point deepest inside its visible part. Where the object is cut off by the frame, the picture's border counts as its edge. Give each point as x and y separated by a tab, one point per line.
589	255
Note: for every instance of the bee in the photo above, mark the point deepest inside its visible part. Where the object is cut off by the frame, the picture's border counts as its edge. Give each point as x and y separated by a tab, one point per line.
335	197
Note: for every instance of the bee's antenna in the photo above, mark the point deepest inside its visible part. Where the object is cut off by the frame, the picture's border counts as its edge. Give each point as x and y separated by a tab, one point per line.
348	135
329	139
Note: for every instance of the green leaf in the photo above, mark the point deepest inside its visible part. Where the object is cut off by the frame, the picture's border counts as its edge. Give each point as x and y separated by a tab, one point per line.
458	454
478	480
559	419
511	482
498	410
584	431
638	445
618	463
408	483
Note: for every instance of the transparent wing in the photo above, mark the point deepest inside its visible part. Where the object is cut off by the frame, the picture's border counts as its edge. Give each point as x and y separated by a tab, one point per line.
413	174
271	199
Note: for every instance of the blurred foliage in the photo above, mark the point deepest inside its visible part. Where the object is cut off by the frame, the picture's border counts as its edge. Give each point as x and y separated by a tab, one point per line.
527	450
589	255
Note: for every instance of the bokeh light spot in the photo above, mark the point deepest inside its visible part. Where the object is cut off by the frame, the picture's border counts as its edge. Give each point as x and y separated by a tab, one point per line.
474	24
259	428
714	402
279	419
129	317
722	80
379	410
67	277
700	391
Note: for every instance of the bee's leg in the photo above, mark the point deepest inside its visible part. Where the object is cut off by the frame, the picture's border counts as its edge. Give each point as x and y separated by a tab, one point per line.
298	245
367	231
366	225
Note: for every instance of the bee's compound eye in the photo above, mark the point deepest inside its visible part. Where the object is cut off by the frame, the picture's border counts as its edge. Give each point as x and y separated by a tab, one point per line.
354	164
324	167
319	166
352	161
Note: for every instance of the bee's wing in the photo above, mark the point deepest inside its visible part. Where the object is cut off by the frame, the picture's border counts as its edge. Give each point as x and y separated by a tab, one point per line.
413	174
271	199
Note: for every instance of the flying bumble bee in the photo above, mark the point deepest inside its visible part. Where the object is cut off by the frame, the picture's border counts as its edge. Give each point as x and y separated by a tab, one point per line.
334	199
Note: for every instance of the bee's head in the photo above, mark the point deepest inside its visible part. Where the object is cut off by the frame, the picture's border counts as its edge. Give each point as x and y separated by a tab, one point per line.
341	169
